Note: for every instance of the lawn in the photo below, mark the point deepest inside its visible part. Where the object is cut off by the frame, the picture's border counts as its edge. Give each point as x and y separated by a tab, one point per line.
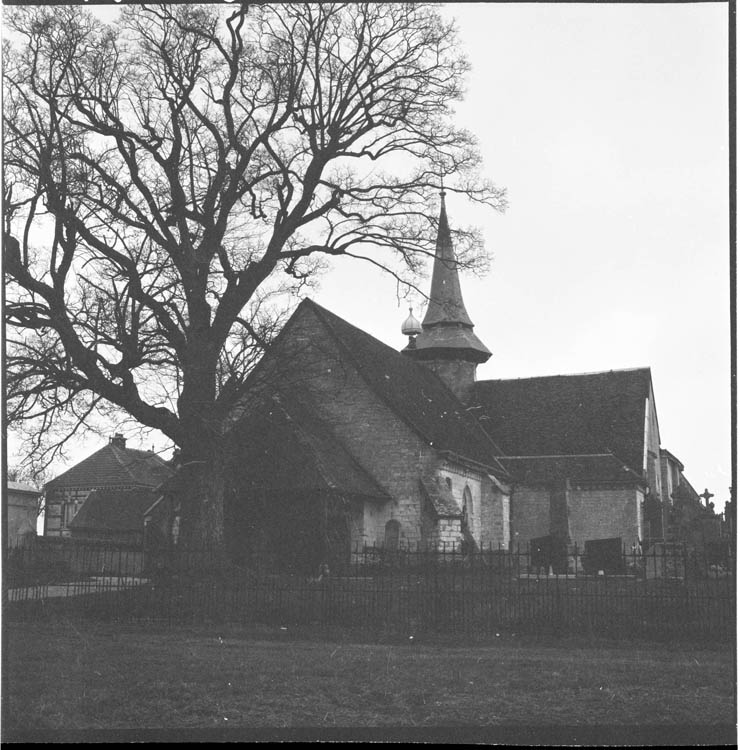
66	675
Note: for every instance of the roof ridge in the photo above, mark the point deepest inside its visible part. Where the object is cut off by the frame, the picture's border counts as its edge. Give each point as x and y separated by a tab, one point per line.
564	455
565	375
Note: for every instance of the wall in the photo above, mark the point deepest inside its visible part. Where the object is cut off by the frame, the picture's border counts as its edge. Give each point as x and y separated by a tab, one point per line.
603	513
530	514
458	375
22	512
489	522
592	513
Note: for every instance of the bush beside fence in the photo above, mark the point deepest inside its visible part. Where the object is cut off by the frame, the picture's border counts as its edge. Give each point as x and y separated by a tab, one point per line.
675	594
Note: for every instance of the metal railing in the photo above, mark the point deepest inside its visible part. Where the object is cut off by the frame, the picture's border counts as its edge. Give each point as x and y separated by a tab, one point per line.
670	592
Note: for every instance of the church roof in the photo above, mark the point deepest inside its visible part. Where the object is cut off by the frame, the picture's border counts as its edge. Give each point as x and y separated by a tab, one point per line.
535	470
114	510
413	392
592	413
114	465
283	444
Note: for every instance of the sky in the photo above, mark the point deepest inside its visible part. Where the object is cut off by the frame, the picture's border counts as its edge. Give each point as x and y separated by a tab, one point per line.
608	125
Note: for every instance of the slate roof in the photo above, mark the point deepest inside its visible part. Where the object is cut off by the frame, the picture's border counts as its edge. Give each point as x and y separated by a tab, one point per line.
592	413
413	392
114	510
441	498
283	444
114	466
543	470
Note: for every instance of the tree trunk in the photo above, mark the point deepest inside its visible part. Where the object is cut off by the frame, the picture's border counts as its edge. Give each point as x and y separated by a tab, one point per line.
201	490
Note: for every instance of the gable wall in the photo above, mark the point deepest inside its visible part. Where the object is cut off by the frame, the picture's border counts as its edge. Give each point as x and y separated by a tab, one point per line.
381	442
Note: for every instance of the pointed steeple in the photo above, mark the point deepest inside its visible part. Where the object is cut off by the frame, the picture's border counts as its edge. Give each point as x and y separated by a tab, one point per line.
447	343
445	299
447	330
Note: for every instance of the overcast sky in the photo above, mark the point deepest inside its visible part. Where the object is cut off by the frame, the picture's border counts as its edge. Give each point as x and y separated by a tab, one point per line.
608	125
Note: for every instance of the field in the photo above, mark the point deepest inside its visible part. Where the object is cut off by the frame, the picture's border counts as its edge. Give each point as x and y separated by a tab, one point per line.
69	675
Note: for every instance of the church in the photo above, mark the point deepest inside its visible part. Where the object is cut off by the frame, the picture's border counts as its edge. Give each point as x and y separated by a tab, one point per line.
343	442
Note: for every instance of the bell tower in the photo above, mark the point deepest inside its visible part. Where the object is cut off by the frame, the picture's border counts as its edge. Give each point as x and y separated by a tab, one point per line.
446	342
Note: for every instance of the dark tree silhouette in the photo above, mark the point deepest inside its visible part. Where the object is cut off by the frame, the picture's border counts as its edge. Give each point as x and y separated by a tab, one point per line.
172	180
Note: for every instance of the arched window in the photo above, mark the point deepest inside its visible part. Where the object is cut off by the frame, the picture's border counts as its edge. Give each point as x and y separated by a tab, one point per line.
392	534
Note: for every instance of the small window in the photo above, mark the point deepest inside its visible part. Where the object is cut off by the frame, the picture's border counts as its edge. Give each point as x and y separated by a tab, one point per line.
449	482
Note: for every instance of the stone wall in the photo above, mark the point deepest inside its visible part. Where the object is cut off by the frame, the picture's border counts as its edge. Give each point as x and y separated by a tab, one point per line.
592	513
530	514
601	513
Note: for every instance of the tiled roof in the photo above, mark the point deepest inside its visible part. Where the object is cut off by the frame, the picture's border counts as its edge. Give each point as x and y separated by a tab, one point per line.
282	444
548	469
413	392
441	498
114	510
114	466
593	413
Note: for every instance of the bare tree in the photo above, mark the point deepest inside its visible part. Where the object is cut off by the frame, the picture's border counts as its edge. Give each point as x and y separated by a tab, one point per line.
171	181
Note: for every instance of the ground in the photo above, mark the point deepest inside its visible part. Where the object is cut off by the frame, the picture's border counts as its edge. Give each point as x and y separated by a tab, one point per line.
67	675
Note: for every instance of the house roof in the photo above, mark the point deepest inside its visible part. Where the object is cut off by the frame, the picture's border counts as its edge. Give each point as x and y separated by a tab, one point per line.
586	414
413	392
22	487
548	469
112	466
114	510
283	444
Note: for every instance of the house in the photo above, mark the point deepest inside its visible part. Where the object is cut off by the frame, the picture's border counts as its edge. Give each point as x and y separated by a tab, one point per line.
341	441
23	509
102	478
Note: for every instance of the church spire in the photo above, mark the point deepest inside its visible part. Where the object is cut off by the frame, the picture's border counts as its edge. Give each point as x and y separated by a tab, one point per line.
447	343
445	299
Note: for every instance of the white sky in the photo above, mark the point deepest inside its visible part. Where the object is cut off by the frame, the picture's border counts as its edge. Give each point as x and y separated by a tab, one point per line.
608	125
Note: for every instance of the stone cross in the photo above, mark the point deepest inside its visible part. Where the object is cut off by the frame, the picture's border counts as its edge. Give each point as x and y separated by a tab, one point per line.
706	495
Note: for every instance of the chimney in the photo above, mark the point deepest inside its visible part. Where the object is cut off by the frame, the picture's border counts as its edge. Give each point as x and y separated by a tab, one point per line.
118	440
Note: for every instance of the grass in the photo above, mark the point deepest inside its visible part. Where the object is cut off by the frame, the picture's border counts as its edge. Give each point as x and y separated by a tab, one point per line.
66	675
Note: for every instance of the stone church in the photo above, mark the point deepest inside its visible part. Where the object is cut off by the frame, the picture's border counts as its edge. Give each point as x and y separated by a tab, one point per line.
343	442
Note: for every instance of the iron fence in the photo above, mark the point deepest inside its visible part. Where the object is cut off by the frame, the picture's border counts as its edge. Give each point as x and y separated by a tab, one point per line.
670	592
